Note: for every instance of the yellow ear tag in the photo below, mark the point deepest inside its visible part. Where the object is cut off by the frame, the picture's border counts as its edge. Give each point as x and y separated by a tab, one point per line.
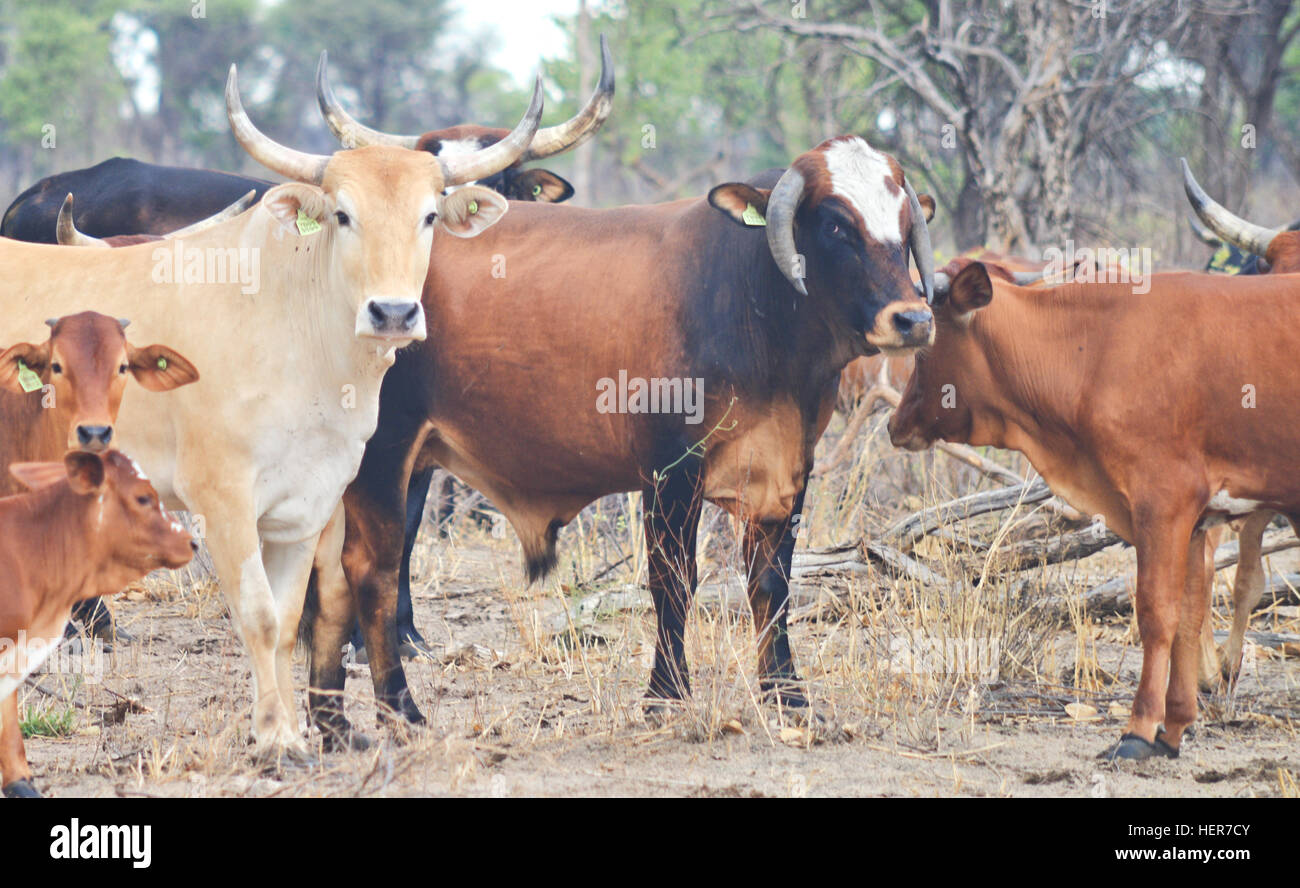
27	378
306	224
537	189
162	363
752	216
473	207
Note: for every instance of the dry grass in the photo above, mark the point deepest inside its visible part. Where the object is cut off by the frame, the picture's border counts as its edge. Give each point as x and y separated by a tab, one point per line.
538	690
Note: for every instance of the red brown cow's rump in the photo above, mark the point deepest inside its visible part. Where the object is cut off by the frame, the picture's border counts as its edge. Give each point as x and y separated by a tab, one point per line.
91	525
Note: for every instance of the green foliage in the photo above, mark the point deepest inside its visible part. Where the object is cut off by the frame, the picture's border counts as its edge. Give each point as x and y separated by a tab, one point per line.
52	722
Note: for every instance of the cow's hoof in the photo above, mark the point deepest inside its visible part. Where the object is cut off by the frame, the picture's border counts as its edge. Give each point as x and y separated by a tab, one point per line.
1135	748
279	757
784	692
659	711
344	738
21	789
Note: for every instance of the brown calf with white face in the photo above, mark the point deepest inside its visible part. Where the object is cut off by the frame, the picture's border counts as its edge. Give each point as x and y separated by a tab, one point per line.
1131	407
91	525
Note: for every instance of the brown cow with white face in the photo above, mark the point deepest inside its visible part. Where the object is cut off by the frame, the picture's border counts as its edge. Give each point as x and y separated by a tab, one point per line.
758	294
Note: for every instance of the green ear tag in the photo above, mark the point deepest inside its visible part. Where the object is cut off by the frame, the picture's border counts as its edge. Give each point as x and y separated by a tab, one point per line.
752	216
473	207
537	189
306	224
27	378
162	363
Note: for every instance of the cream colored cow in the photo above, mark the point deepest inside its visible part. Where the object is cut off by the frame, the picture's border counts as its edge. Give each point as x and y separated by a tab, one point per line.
292	312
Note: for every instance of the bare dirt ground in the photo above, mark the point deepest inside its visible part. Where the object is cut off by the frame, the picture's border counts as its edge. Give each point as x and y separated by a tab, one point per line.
536	691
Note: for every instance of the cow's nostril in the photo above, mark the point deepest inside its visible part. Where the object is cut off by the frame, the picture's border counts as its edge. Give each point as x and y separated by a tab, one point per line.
377	313
912	323
96	435
409	319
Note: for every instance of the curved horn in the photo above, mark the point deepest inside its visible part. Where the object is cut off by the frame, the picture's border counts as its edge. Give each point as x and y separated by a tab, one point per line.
349	132
484	162
66	233
554	140
216	218
781	207
920	244
1203	234
1233	229
291	164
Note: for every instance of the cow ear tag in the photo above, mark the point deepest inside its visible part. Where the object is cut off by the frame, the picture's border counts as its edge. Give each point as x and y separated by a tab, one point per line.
537	189
306	224
473	207
752	216
27	378
162	363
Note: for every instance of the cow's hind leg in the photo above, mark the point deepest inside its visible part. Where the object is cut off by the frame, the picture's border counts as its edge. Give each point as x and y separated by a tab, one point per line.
15	775
1163	554
412	642
769	549
1180	698
1208	661
671	505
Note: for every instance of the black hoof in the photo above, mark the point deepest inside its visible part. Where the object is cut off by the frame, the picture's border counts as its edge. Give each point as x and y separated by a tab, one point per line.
343	738
21	789
1135	748
784	692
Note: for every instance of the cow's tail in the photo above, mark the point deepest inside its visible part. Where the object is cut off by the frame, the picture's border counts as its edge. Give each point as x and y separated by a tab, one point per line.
539	552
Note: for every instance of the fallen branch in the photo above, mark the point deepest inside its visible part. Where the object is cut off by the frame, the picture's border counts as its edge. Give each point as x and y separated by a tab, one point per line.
914	527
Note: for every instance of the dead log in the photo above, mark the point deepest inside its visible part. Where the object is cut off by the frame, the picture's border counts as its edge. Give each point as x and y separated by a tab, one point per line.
912	529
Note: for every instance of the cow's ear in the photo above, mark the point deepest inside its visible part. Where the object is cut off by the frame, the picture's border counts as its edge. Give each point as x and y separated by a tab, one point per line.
743	204
159	369
297	206
85	471
35	475
927	204
22	365
467	211
971	290
541	185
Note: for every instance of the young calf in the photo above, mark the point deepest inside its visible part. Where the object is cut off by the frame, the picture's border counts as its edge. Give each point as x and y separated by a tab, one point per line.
64	394
91	525
1138	408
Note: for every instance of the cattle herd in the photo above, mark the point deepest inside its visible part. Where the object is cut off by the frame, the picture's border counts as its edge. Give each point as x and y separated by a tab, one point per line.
318	346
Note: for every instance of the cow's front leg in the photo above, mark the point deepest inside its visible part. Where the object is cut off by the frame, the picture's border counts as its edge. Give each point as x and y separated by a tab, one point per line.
1162	539
334	615
671	505
769	550
288	566
236	553
15	775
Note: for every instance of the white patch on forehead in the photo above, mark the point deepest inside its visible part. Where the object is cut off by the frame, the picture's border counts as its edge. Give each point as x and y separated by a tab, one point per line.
858	173
453	147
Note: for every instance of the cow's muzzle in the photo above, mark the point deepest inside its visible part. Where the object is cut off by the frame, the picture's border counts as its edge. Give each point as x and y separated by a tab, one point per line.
391	320
94	438
902	325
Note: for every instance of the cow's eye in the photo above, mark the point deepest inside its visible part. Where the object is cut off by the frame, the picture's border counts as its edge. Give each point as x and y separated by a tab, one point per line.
142	500
833	229
122	369
342	218
56	367
430	219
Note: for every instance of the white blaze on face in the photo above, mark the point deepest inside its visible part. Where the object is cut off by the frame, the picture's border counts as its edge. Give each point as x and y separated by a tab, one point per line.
858	173
454	147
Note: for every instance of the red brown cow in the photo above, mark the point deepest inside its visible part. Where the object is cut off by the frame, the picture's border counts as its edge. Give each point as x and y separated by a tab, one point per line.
91	525
755	298
1269	251
64	394
1130	407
